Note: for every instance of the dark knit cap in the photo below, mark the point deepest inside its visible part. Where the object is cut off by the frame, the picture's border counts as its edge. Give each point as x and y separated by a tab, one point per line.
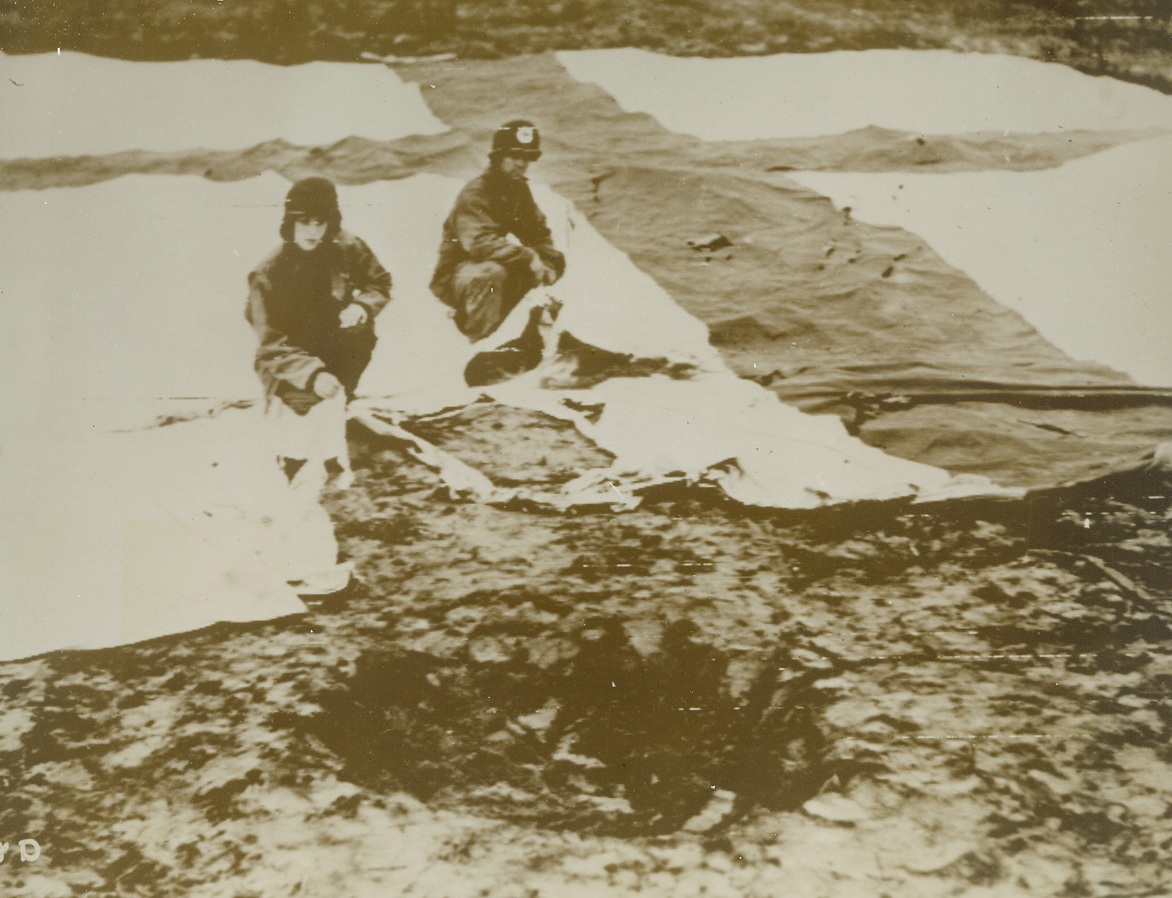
314	196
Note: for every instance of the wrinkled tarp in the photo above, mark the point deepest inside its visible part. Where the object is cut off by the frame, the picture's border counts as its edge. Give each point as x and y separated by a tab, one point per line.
72	104
834	314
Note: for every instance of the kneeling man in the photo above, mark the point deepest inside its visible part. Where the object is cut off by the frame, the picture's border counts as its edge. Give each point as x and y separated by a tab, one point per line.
481	273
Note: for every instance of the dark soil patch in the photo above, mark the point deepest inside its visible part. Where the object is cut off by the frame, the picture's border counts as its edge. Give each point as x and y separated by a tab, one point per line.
607	740
1130	43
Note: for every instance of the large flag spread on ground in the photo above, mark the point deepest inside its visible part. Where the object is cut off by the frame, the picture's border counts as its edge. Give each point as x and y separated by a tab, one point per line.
1076	250
115	353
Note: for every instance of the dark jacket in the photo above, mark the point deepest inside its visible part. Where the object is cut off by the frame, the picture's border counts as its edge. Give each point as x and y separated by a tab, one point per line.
488	209
293	304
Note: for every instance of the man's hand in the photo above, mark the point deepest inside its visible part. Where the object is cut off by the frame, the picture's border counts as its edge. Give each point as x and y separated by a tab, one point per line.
326	386
542	273
352	316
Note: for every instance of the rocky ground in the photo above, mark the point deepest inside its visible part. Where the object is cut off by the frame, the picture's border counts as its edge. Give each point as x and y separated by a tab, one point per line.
684	699
1127	39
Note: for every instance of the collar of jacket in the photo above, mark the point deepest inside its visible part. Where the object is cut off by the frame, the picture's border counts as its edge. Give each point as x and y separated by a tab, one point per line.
497	178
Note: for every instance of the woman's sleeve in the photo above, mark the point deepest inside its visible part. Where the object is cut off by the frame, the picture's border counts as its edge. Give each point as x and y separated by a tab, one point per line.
372	282
276	357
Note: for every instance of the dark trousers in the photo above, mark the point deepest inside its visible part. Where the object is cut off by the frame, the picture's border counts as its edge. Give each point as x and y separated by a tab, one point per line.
485	293
349	353
346	356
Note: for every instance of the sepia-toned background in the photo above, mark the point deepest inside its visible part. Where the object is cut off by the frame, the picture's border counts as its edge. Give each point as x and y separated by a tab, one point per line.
622	626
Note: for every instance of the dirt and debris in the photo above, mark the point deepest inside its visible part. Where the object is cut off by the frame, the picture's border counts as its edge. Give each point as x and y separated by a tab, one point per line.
971	696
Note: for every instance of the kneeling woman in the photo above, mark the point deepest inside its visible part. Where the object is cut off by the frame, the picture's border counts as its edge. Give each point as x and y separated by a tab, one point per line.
312	303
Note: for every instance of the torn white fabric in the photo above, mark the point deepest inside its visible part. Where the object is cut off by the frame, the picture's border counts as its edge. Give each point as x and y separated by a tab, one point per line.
1080	251
716	428
116	537
813	94
113	535
317	437
73	104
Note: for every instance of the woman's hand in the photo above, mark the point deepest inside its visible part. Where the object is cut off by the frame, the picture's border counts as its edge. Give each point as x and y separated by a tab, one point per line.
326	386
353	315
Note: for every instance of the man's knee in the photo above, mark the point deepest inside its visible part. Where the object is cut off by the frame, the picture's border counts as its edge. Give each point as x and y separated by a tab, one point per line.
480	295
487	293
478	278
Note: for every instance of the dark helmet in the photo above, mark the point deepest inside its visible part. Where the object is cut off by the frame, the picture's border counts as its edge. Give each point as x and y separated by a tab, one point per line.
313	197
518	137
